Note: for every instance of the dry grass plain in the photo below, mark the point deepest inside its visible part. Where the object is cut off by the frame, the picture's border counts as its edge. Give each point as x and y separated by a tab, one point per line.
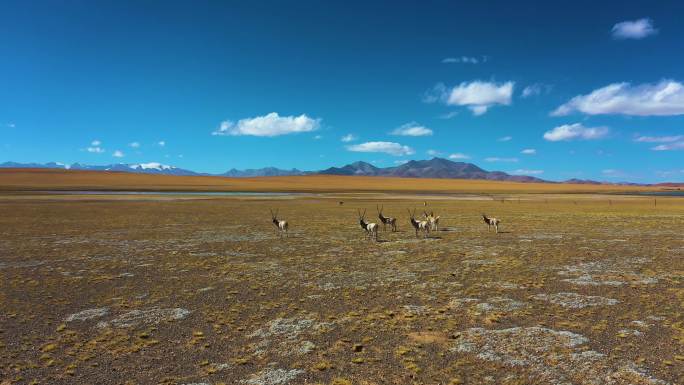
52	179
146	290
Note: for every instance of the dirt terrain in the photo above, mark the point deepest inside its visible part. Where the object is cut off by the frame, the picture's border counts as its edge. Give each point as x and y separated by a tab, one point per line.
146	290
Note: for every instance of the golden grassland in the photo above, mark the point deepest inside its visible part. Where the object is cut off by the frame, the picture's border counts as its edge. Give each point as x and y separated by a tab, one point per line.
47	179
95	290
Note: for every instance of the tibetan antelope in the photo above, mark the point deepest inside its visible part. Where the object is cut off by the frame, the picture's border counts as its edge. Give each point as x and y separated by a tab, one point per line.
491	222
386	220
281	226
419	226
432	219
371	229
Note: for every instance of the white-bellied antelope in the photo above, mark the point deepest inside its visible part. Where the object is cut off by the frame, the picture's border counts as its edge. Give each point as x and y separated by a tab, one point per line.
371	229
386	220
281	226
432	219
419	226
491	222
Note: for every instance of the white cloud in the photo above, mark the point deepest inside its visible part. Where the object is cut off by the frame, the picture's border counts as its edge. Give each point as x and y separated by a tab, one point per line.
478	110
659	139
400	162
268	125
448	115
522	171
318	137
575	131
637	29
391	148
433	153
412	129
477	95
496	159
462	59
95	147
161	143
669	146
529	151
349	138
118	154
535	89
669	173
505	138
613	173
661	99
134	144
458	156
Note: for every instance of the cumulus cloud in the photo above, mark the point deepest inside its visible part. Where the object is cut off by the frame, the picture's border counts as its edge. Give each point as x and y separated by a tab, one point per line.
575	131
505	138
477	95
497	159
522	171
529	151
349	138
95	143
268	125
659	99
433	152
659	139
635	29
134	144
458	156
391	148
118	154
669	146
412	129
161	143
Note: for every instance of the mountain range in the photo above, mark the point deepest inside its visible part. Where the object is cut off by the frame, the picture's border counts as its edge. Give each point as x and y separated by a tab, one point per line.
432	168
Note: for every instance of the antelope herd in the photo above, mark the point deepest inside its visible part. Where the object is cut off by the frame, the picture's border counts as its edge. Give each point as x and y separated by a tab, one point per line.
421	226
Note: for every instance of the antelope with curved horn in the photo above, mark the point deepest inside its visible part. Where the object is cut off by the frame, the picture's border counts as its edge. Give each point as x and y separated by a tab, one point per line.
280	225
419	226
434	220
386	220
371	229
491	222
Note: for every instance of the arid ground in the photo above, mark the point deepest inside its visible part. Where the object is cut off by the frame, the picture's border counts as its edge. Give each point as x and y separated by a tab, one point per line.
576	289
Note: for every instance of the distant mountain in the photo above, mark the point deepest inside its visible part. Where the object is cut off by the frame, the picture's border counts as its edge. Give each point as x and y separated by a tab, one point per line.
433	168
142	168
356	168
582	181
266	171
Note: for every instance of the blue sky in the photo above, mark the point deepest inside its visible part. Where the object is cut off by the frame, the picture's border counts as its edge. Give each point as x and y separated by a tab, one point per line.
558	90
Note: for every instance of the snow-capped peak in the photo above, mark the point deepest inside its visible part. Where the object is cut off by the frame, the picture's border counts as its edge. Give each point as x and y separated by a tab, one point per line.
151	166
